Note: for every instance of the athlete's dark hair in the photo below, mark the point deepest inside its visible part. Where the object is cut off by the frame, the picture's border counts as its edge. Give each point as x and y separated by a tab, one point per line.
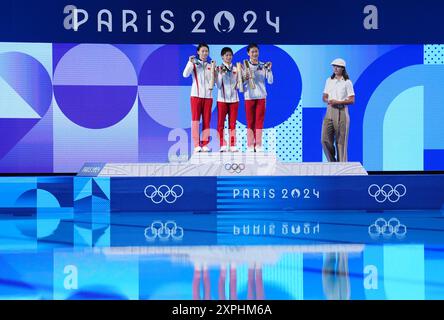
225	50
251	46
202	45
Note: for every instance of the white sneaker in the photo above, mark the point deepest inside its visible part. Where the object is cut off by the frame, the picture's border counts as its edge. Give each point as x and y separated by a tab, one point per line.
250	149
223	149
205	149
197	149
259	149
234	149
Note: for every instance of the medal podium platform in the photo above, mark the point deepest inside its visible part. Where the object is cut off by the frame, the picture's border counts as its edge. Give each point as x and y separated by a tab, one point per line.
231	164
259	181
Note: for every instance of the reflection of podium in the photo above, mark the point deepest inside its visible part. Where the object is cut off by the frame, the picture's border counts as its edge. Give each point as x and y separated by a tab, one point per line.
217	255
231	164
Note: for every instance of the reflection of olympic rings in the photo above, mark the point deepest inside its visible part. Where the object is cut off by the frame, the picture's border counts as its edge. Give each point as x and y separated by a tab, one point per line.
163	193
387	192
163	231
387	229
235	167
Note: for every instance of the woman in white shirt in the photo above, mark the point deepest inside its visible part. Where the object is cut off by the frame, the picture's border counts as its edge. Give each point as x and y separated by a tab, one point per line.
338	94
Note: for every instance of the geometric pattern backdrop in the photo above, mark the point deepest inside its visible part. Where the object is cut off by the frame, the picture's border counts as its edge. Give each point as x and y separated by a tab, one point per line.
62	105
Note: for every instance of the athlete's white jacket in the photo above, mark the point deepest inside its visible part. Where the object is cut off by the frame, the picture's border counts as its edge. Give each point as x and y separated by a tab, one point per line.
201	72
227	85
260	74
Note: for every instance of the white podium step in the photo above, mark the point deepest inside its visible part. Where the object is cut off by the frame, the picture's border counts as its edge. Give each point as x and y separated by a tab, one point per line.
232	164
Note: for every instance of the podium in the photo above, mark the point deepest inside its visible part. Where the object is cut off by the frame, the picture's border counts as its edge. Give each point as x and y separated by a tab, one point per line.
234	182
232	164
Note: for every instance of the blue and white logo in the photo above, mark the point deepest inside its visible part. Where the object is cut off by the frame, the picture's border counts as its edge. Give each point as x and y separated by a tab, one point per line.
224	21
387	192
163	193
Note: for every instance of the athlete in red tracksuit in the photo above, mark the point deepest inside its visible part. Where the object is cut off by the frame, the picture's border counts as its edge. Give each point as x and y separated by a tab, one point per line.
255	98
201	97
227	100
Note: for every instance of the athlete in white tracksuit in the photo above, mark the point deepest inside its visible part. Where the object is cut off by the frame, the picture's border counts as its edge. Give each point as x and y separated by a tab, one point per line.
201	97
255	98
227	99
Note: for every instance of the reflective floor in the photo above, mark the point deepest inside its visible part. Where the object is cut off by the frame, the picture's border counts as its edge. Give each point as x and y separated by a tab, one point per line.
273	255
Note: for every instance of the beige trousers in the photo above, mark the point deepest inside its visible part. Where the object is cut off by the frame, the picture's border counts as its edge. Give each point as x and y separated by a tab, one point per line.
334	137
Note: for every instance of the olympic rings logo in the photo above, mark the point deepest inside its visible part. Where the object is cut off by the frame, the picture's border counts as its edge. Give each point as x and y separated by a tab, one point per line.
163	231
163	193
235	167
387	192
387	229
